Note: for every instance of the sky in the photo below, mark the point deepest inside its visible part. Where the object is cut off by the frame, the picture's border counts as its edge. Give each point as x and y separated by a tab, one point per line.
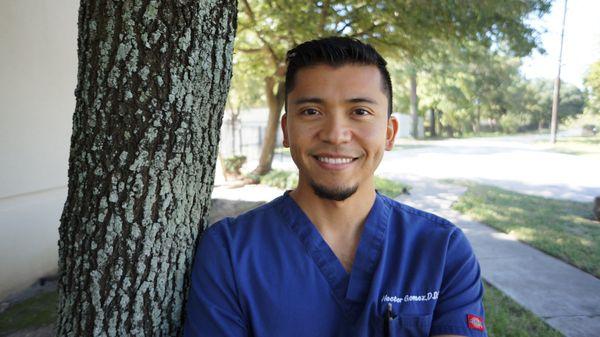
581	42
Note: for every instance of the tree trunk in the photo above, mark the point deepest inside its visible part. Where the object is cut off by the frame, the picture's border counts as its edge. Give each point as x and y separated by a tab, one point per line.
477	122
440	126
151	88
275	102
414	112
432	122
232	124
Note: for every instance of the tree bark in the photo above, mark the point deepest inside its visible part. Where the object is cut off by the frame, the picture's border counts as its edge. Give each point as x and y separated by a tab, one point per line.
275	100
414	112
151	88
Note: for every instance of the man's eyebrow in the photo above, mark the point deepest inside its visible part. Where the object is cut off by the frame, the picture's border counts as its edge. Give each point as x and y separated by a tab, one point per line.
303	100
361	100
318	100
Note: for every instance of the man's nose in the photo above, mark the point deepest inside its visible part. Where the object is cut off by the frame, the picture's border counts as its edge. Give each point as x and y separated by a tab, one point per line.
335	130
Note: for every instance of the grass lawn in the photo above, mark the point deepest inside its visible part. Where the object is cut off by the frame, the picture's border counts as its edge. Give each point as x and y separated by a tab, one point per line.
410	143
577	145
504	317
35	312
390	188
564	229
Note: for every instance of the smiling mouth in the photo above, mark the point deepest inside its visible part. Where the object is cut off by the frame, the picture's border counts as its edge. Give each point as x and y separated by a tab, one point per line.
335	160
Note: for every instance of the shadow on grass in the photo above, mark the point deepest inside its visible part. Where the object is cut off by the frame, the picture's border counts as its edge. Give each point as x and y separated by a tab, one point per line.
562	228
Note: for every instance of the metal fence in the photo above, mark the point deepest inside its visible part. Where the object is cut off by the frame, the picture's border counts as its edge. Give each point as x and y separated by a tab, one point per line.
243	138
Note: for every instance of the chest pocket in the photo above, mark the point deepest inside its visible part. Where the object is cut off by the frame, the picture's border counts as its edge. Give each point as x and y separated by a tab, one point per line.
410	326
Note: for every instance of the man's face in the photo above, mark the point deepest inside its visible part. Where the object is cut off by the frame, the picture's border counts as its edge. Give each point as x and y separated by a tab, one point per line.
337	127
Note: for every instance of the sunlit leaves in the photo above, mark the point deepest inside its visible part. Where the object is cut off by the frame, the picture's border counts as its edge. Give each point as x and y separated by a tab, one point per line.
592	85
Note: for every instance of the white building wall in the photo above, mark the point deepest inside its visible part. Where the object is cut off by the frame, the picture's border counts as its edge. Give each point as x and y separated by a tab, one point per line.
38	69
405	124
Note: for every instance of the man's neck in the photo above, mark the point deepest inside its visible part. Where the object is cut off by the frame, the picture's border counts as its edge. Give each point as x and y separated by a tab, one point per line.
340	223
331	216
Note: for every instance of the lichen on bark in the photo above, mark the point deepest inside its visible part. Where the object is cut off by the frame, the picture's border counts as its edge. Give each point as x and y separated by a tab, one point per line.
152	82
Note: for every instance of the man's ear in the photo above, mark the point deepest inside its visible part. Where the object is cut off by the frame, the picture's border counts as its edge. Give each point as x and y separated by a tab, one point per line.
391	131
286	142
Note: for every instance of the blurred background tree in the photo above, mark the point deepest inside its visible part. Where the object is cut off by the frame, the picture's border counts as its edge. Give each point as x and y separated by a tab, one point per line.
588	118
592	87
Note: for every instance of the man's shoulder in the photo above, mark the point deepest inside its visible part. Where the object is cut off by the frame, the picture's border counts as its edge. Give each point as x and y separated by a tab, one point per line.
261	215
423	229
415	218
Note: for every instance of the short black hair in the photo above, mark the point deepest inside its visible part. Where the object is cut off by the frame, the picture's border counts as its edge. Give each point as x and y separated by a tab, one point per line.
335	51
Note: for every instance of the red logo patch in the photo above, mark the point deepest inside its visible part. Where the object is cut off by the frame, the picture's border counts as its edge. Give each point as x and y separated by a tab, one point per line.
475	322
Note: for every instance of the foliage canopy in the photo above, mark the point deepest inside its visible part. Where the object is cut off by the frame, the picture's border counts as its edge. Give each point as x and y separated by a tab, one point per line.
406	29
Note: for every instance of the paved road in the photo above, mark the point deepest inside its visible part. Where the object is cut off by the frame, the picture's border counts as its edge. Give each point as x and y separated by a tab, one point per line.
518	163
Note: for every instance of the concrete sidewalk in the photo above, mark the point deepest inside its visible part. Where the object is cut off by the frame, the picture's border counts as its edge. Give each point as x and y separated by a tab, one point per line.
565	297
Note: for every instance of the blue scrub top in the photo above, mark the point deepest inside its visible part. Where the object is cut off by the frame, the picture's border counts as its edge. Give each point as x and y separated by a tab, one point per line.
269	272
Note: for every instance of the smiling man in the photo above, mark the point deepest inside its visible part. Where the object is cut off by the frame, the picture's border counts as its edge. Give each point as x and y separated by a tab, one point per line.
333	257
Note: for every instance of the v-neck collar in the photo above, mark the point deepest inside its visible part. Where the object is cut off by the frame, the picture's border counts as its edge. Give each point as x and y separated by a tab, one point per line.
351	288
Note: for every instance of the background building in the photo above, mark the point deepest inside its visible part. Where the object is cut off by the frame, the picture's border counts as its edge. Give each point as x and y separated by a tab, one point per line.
38	70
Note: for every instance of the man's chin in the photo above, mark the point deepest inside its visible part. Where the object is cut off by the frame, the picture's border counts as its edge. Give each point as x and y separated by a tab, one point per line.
338	193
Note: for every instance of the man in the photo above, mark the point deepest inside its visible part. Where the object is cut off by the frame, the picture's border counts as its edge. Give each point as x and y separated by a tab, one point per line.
333	257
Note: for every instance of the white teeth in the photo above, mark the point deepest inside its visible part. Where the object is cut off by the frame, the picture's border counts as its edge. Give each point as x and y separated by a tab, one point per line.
334	160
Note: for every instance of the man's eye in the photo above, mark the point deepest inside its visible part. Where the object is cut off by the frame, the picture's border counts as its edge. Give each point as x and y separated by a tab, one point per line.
310	112
361	112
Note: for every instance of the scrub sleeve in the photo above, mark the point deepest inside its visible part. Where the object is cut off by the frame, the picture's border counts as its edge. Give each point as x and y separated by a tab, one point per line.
212	308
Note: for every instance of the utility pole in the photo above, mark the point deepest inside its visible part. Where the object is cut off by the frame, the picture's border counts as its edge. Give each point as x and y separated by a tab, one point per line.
556	98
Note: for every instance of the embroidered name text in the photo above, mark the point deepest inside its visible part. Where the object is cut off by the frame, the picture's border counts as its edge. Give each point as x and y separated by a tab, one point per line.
411	298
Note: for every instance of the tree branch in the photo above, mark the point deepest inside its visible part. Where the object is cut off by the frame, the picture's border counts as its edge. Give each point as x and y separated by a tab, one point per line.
349	19
324	15
250	50
346	25
366	31
249	11
270	49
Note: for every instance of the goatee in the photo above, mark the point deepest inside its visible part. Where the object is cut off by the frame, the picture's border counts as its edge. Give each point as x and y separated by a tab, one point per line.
336	193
